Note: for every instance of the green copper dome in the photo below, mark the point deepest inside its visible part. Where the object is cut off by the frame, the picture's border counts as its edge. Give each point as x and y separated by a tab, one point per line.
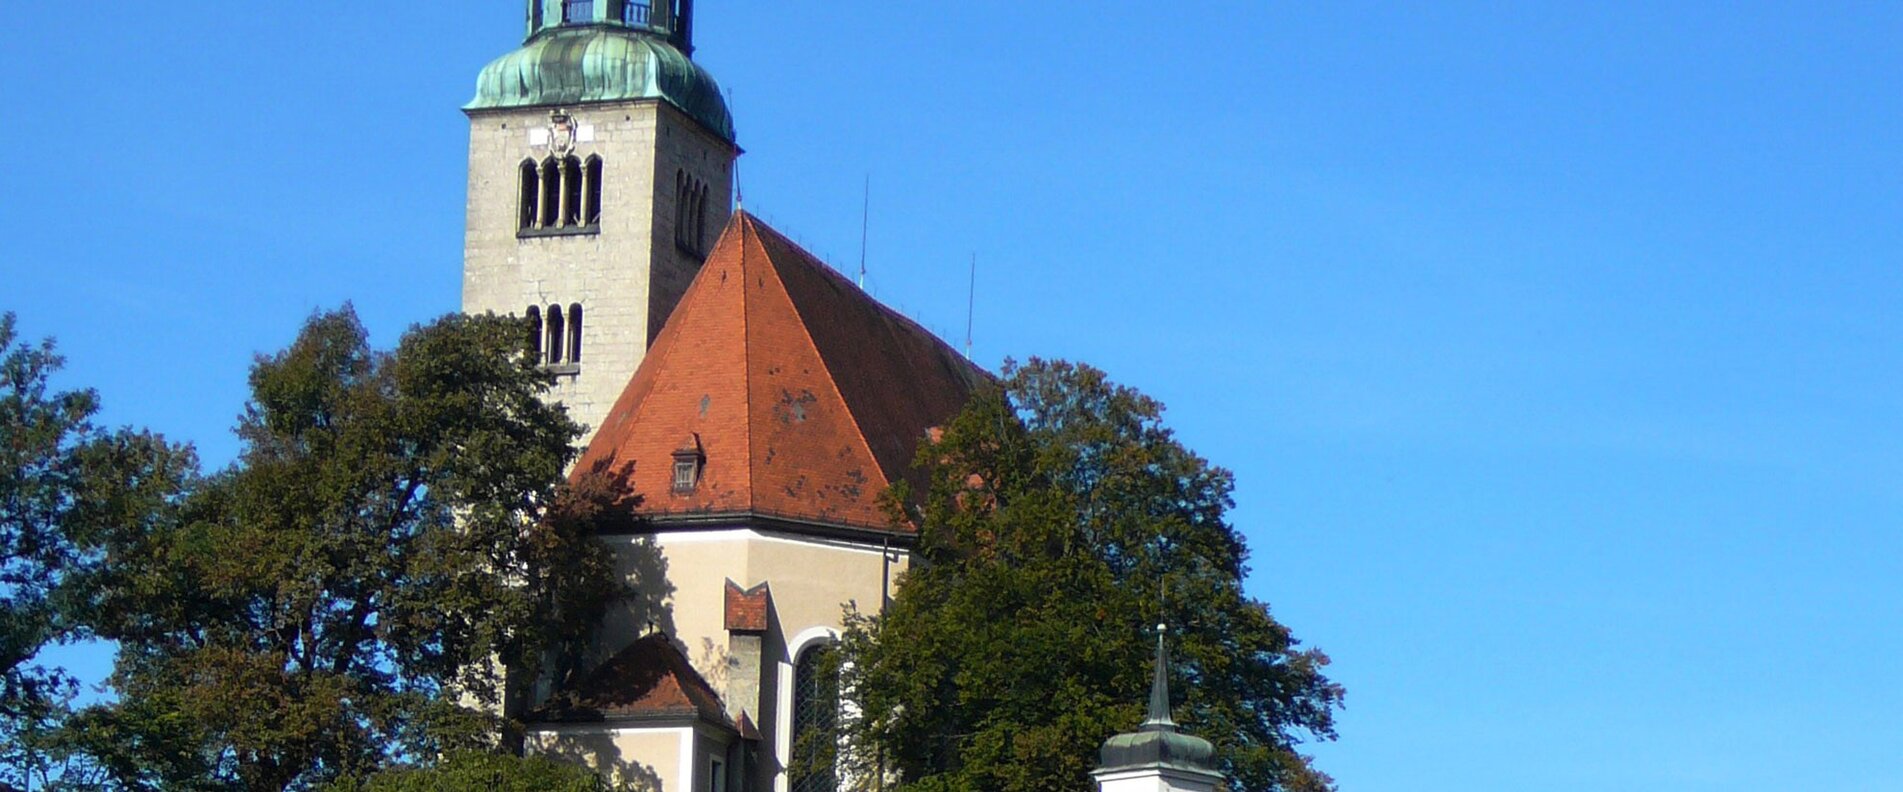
574	65
1158	743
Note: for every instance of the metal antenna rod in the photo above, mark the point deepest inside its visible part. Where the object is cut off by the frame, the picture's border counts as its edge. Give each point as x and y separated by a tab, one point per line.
865	222
971	302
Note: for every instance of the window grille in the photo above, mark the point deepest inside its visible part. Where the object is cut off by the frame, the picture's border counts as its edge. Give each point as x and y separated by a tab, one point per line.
815	723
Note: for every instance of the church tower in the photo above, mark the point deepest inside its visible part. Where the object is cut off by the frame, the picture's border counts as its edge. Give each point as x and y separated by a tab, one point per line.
600	173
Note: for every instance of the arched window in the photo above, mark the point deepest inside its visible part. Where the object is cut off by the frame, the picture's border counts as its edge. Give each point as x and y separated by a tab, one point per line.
574	333
531	189
811	767
535	334
551	192
556	334
591	205
700	221
680	208
571	190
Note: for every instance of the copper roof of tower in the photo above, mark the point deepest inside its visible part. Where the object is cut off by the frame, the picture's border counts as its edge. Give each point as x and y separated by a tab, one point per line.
791	393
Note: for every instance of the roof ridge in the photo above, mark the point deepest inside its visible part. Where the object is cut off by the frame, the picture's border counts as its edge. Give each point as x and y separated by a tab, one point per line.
748	233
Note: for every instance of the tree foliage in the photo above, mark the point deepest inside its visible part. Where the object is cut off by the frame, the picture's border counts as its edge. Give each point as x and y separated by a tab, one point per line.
60	476
467	771
338	599
1060	521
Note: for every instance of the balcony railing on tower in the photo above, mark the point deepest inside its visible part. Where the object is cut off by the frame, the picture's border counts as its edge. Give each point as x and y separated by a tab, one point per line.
578	12
634	12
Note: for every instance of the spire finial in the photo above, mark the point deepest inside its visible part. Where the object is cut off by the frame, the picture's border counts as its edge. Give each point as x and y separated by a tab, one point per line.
1159	717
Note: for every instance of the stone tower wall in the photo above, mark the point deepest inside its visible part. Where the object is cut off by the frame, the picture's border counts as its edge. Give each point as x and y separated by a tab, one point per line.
628	276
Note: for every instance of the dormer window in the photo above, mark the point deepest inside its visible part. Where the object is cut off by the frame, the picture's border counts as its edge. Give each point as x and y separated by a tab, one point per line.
687	465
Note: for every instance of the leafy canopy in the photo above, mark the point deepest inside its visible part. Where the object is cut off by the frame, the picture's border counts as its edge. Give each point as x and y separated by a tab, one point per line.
1061	519
470	771
338	601
60	476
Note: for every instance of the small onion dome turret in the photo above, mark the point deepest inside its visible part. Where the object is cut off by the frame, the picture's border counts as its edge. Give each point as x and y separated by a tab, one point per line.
1158	743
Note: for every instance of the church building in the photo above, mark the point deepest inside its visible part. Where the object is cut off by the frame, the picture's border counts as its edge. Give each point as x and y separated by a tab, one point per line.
757	401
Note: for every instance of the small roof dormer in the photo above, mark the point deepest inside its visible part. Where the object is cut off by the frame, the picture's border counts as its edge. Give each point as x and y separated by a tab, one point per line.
779	393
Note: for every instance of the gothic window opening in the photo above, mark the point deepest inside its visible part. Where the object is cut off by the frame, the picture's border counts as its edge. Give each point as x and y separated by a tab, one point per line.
811	768
560	196
690	214
574	333
680	208
551	192
535	334
591	205
700	220
571	191
557	334
531	188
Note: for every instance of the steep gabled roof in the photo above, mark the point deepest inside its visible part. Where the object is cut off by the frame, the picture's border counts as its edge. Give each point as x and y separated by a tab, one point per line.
804	397
649	680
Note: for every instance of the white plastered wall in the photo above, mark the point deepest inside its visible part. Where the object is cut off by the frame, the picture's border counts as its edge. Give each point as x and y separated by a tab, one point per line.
810	580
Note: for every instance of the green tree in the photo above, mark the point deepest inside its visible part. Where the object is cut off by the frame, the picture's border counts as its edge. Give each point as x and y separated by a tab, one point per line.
1060	521
487	772
339	599
59	475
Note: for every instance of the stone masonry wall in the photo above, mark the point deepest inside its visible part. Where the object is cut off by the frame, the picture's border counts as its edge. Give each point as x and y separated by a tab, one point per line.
628	276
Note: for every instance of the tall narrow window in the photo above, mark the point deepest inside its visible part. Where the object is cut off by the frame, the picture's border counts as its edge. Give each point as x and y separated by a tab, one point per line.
535	14
571	191
531	189
574	333
700	221
680	207
551	192
556	334
815	723
535	334
591	206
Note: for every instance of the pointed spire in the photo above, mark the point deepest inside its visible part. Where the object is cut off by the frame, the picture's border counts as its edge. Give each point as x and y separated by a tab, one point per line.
1159	746
1159	717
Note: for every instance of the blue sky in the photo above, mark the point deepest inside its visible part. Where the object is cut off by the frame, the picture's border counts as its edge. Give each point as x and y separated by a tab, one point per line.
1555	348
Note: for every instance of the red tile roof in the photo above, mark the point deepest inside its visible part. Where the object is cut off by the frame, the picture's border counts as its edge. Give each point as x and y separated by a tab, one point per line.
649	680
805	397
